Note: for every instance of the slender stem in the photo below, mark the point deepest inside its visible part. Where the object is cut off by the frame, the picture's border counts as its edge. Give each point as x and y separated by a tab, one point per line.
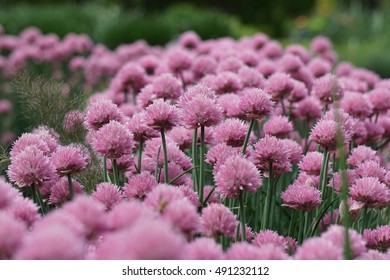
323	170
181	175
242	216
292	220
248	134
301	227
164	144
283	107
208	196
141	147
115	171
194	160
268	200
257	211
376	117
105	175
364	219
379	218
305	225
71	191
38	199
201	164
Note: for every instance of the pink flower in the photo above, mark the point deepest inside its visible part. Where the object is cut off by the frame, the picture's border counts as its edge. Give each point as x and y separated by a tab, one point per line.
311	163
167	86
59	192
189	40
279	86
298	50
327	88
317	248
229	103
255	103
232	132
380	99
371	192
361	154
146	240
214	197
183	215
56	242
27	140
370	169
199	107
25	210
70	159
378	239
108	194
227	82
203	65
130	77
357	105
73	121
295	150
265	237
8	193
308	109
138	186
248	233
162	115
336	182
30	168
139	128
290	63
179	60
235	175
278	126
320	44
203	249
124	164
299	91
149	63
271	150
161	196
113	140
217	220
11	235
251	78
245	251
301	197
101	112
335	234
191	195
319	67
324	133
267	68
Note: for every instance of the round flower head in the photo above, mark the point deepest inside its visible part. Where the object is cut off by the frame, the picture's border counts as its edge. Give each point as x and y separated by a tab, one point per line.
162	115
24	210
8	193
229	103
179	60
101	112
311	163
56	242
255	103
335	234
11	235
214	197
279	86
139	128
271	150
183	215
27	140
232	132
327	88
73	121
317	248
278	126
49	136
30	167
378	239
329	219
346	121
370	169
219	153
361	154
248	233
138	186
113	140
380	99
295	150
217	220
324	133
265	237
373	255
161	196
130	77
375	132
301	197
354	209
124	164
336	182
230	64
290	63
182	137
190	194
371	192
299	91
167	86
235	175
298	50
69	159
59	192
203	65
384	122
203	249
272	50
149	63
146	240
251	78
189	40
108	194
357	105
199	107
308	109
320	44
226	82
319	67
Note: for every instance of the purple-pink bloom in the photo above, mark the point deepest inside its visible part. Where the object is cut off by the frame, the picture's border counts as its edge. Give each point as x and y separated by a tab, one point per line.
167	86
311	163
12	233
27	140
162	115
232	132
255	103
161	196
361	154
217	220
139	185
278	126
301	197
327	88
378	239
70	159
279	86
108	194
317	248
203	249
59	192
100	113
371	192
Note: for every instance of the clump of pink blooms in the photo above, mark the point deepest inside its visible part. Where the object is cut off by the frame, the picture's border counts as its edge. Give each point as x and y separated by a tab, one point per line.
206	149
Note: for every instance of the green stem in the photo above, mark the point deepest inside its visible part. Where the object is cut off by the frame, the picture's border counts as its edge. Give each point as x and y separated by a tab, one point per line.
201	164
141	147
323	171
181	175
242	216
248	134
105	175
301	227
305	230
208	196
257	211
292	220
71	191
38	199
164	144
115	171
364	219
194	160
268	200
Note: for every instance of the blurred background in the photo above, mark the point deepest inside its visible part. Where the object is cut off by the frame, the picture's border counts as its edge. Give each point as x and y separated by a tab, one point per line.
358	28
